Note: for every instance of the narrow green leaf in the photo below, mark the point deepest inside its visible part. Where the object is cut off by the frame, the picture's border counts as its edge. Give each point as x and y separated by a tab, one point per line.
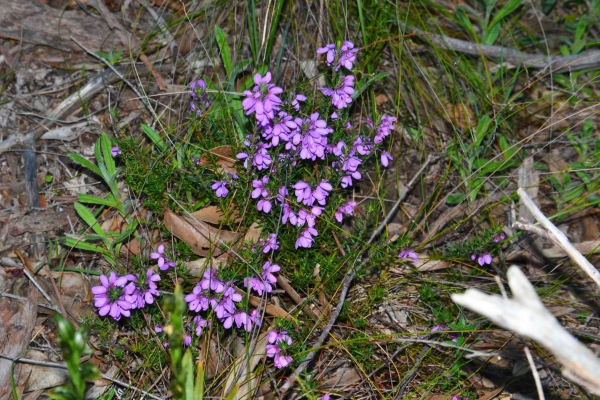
89	218
363	85
127	232
508	8
156	139
81	245
224	49
274	24
84	162
88	198
109	161
199	385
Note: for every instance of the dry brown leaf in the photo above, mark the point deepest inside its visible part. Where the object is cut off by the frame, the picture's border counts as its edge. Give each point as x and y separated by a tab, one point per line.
199	236
226	158
213	215
341	378
198	266
270	309
253	233
380	99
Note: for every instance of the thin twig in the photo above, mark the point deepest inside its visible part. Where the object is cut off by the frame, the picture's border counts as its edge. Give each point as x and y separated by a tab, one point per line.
347	281
21	298
63	366
411	374
30	276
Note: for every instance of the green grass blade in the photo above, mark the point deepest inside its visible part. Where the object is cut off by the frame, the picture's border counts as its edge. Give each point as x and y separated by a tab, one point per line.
156	139
89	218
84	162
224	49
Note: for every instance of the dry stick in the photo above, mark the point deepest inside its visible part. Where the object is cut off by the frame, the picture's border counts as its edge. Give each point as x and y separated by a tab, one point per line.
63	366
30	276
350	276
588	59
559	238
536	375
283	282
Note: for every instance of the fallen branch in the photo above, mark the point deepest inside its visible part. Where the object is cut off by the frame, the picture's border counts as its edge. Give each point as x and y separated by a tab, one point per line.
588	59
556	236
350	276
525	314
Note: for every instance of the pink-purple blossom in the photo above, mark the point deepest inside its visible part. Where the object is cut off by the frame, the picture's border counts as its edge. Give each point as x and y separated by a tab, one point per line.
345	209
262	100
340	95
115	151
163	262
110	296
409	253
220	188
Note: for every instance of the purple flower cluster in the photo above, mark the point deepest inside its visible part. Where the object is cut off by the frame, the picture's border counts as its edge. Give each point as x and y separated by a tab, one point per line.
220	297
115	151
117	295
278	341
200	101
285	138
344	56
266	280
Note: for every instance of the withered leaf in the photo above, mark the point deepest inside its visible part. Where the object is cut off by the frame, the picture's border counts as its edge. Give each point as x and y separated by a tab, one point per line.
226	158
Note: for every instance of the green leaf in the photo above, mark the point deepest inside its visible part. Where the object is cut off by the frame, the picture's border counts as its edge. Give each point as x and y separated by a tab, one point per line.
483	127
224	49
491	34
485	167
109	161
89	218
508	8
126	233
363	85
154	137
455	198
274	25
508	151
88	198
84	162
81	245
199	385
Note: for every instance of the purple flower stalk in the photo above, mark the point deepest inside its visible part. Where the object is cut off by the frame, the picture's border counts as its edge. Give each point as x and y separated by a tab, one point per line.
220	188
200	101
409	253
262	100
110	296
345	56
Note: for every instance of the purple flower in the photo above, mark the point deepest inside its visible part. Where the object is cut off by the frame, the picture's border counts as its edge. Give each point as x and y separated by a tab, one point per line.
260	187
330	50
297	99
267	272
326	397
144	289
198	301
256	284
439	327
210	281
199	323
340	95
486	258
473	256
502	236
288	213
198	94
281	127
306	238
346	208
187	340
263	100
264	205
385	158
281	361
109	297
321	192
409	253
303	192
347	54
115	151
220	188
163	262
271	243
